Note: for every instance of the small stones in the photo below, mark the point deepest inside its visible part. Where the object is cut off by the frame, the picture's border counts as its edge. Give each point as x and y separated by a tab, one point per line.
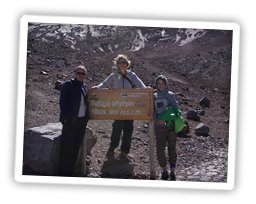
44	73
205	164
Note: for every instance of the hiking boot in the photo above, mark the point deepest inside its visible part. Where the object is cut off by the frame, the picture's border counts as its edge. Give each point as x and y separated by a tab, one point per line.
172	176
123	155
165	175
110	153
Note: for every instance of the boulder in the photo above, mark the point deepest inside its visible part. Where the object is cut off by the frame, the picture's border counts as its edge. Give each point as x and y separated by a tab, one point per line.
84	155
204	102
41	150
117	168
193	115
202	130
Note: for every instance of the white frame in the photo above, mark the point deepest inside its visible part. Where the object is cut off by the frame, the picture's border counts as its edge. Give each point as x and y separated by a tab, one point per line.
229	185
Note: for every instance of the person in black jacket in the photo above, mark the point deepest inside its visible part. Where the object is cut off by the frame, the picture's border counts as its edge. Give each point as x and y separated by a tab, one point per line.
74	115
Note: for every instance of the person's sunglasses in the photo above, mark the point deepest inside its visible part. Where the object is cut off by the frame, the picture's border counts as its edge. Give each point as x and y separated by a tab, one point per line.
122	61
80	73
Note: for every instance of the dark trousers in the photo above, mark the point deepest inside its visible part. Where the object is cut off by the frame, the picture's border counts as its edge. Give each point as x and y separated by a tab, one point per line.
166	137
71	139
127	127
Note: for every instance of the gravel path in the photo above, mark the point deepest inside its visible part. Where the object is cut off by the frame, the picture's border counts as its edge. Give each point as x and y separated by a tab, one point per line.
200	159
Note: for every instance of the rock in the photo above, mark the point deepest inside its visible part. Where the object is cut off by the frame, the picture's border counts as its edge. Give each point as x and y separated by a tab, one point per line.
41	150
91	139
186	128
61	76
215	90
185	131
204	102
117	168
183	135
202	130
43	72
101	131
144	131
145	125
193	115
200	112
83	162
58	84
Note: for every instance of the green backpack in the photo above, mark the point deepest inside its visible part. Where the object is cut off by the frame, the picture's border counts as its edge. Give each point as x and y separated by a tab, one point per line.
173	115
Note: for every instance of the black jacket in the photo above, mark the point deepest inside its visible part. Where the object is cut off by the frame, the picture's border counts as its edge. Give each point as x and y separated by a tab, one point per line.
70	98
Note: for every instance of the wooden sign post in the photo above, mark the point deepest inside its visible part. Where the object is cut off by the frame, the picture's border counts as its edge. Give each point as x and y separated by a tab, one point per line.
124	104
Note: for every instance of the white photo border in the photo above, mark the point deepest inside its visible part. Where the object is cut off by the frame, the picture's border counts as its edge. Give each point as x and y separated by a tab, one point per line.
25	19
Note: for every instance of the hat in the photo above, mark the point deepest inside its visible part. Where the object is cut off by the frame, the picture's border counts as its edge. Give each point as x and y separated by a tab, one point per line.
81	67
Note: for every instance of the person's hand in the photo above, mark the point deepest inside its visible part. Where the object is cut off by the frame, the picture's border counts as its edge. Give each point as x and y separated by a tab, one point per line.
94	87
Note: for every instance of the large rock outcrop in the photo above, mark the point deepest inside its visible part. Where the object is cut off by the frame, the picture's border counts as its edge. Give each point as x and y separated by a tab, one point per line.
41	150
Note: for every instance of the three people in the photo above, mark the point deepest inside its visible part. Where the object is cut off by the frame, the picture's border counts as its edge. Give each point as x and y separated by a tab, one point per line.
165	135
74	115
121	78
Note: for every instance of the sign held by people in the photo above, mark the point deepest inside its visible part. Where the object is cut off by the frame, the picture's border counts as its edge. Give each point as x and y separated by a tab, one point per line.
121	104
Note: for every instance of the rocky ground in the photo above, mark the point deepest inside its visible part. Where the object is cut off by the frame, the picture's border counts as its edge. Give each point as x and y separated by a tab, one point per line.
195	69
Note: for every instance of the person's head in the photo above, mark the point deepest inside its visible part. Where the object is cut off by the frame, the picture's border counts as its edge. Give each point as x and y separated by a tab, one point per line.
80	73
122	62
161	82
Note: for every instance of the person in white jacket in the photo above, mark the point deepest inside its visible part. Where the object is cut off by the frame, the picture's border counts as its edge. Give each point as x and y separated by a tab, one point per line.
124	79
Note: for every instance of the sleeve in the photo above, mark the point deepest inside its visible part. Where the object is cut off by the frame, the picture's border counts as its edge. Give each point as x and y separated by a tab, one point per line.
172	100
64	101
137	81
107	82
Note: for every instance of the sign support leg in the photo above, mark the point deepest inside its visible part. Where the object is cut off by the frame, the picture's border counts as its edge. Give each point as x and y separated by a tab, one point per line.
152	150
